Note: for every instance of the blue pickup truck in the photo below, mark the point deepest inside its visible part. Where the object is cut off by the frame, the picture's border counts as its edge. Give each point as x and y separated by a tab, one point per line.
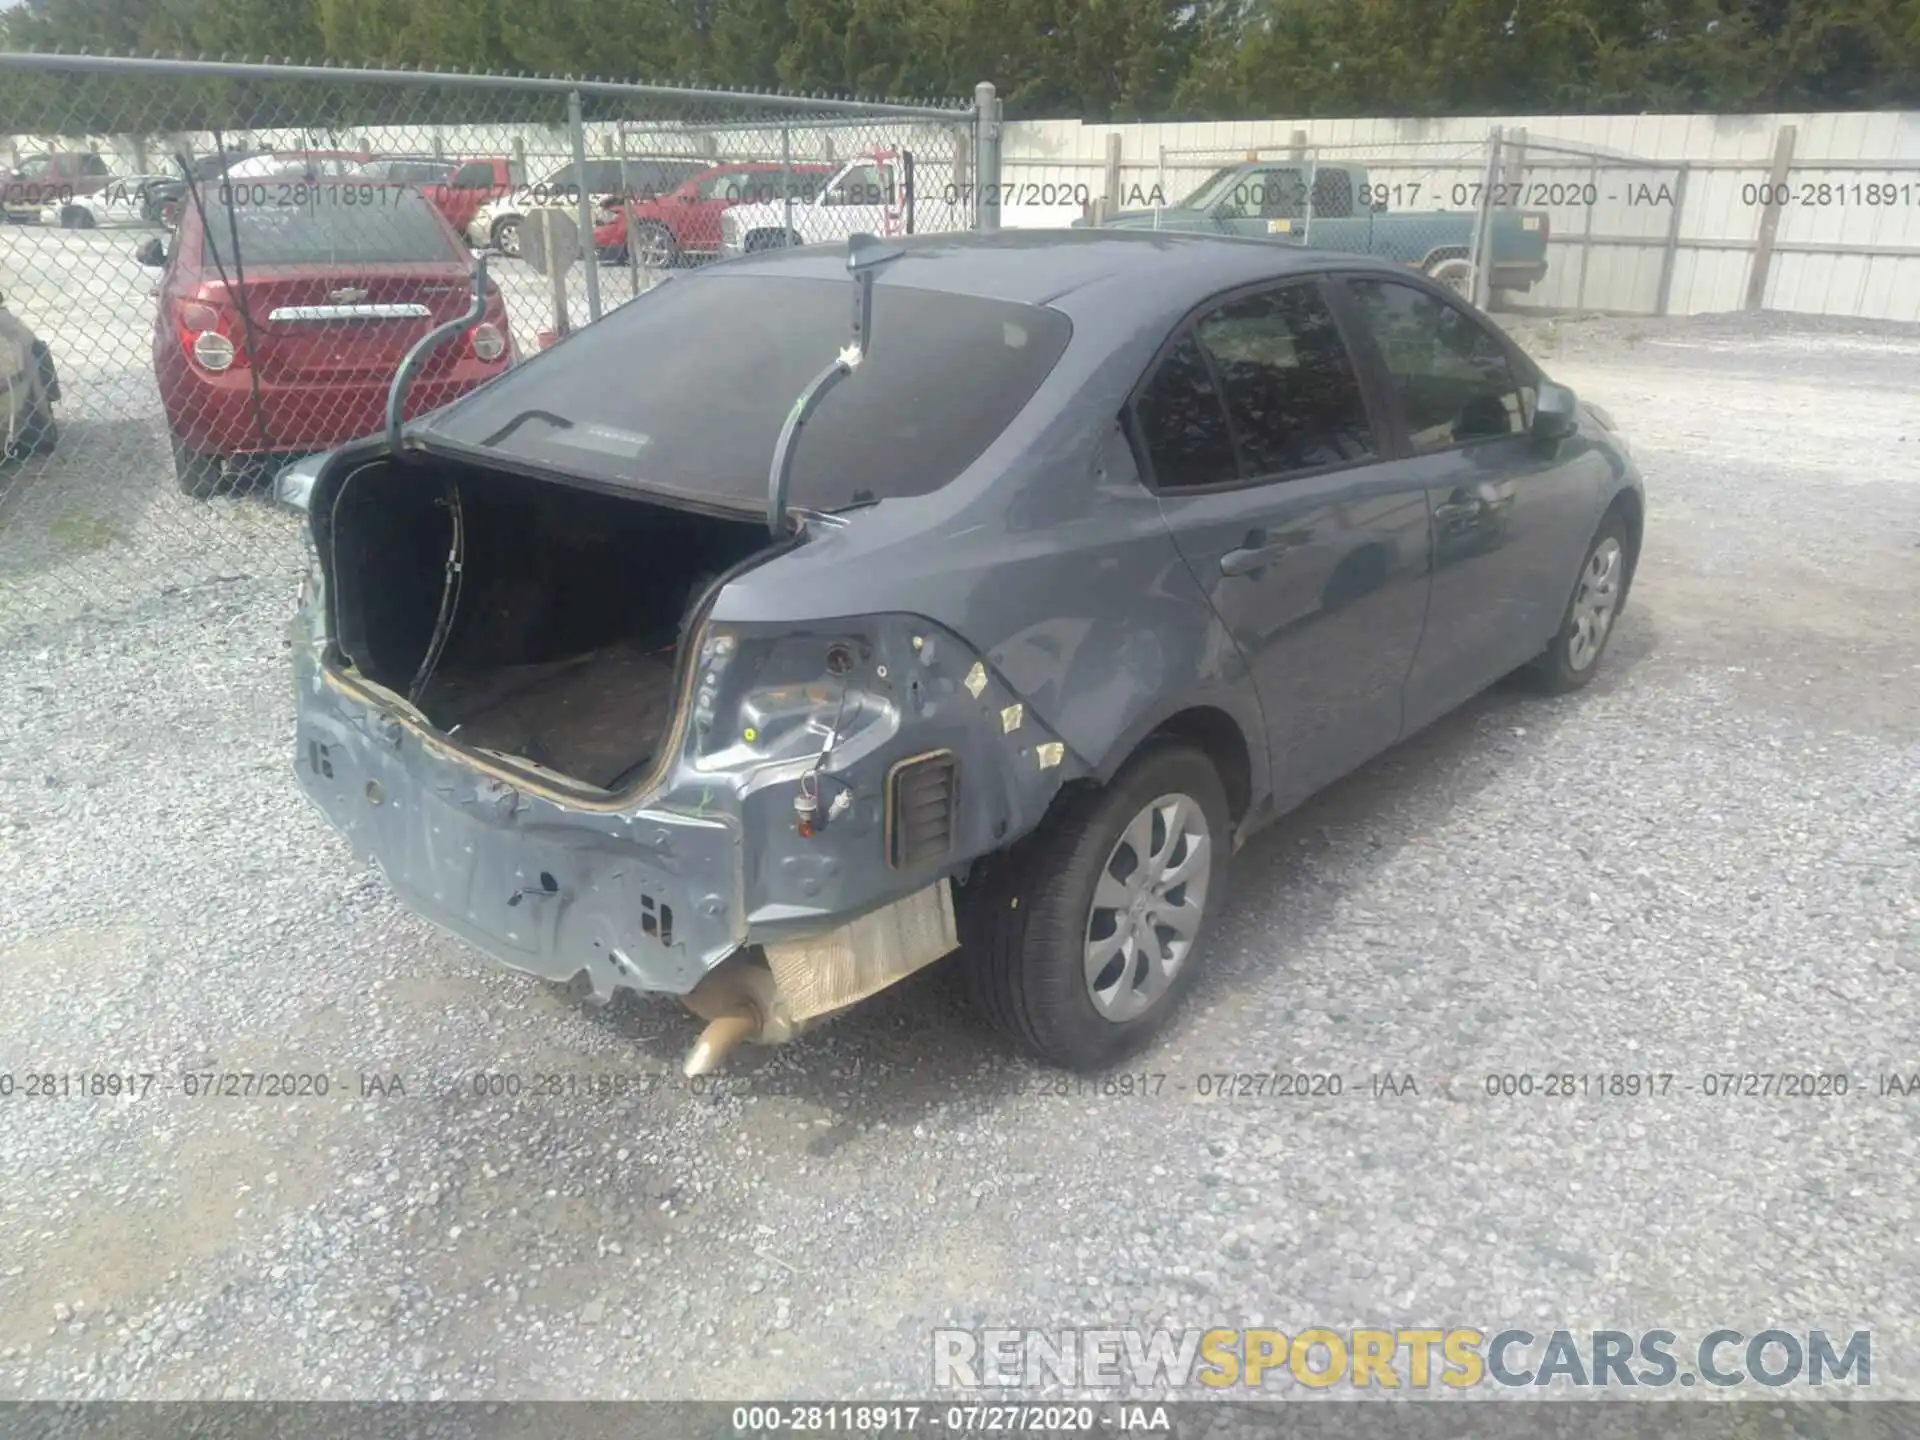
1338	207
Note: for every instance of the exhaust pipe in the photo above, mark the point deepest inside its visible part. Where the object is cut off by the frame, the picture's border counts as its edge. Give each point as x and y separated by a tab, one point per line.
740	1002
718	1040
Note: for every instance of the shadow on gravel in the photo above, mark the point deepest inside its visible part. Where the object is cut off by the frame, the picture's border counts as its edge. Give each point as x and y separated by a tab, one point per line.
917	1046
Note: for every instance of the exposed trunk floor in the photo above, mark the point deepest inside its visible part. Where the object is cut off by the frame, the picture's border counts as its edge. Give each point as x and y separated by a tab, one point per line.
594	717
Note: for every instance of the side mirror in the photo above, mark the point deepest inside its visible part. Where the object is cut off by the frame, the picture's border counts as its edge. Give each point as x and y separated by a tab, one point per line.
1556	411
152	252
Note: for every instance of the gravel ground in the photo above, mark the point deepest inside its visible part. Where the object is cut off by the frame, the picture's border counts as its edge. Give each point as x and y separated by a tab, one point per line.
1706	862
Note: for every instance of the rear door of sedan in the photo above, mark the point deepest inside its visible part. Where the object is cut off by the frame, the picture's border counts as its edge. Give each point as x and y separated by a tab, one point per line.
1511	513
1267	446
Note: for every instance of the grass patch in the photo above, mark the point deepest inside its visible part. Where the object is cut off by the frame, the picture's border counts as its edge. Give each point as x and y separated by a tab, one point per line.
80	532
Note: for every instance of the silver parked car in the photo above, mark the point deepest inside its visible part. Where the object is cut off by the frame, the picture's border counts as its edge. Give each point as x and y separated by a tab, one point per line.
721	653
29	384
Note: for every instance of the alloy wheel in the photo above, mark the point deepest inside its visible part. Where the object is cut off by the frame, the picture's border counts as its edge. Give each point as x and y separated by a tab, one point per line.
1594	603
1147	907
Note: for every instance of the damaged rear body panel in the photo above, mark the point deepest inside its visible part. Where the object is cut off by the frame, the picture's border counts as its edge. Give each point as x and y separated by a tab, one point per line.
811	772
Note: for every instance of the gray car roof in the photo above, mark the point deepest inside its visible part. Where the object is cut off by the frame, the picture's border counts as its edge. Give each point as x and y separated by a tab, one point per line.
1142	270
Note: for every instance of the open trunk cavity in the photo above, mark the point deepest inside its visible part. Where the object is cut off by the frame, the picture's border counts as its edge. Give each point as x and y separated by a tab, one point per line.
562	648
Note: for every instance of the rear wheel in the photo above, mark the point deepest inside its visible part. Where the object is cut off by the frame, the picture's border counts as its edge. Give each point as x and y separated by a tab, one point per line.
1084	938
199	475
1570	661
655	244
506	235
75	217
1456	273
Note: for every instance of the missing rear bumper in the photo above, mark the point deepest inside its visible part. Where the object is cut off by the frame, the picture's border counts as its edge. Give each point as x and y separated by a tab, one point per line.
769	1002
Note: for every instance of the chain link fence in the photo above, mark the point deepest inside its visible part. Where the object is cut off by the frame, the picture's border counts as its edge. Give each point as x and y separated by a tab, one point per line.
1612	222
207	270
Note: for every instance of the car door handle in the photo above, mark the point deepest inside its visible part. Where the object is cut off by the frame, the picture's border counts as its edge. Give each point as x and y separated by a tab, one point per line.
1255	555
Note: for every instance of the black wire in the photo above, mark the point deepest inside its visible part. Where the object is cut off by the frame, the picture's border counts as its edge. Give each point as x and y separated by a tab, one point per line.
246	317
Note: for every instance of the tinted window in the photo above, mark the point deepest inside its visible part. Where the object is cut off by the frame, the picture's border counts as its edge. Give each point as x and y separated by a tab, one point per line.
340	223
1290	388
637	403
420	172
1264	195
1182	425
1452	377
1333	194
603	176
475	175
93	165
862	185
37	165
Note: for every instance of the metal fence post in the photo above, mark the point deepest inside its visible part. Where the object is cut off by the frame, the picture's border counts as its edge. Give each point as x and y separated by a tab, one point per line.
1672	251
589	252
1770	217
1112	201
1480	256
986	119
1586	235
786	177
626	214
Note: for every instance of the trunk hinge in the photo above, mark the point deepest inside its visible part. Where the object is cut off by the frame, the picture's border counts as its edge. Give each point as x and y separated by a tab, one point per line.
425	345
449	594
865	255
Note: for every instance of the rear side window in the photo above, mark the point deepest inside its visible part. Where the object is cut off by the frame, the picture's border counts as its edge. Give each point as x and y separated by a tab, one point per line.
1292	395
1260	388
340	222
1452	377
1182	424
638	399
476	175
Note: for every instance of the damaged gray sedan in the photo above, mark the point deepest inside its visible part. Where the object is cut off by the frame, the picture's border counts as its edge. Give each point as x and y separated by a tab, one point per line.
739	650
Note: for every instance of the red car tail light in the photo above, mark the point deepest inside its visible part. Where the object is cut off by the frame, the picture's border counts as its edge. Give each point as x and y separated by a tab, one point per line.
488	343
206	332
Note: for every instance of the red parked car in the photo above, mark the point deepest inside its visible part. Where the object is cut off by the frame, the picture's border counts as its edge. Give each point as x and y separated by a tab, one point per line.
338	280
457	188
685	221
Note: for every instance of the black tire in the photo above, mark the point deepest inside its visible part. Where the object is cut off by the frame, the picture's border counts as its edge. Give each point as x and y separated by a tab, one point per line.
39	432
656	244
1456	273
1024	926
199	476
769	240
1566	664
506	235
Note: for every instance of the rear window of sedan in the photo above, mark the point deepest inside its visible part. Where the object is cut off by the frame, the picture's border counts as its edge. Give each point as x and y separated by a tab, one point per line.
684	391
325	222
